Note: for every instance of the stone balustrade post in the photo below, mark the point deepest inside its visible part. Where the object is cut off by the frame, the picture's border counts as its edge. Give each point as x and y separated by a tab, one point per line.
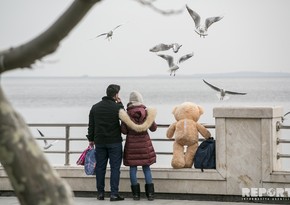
246	145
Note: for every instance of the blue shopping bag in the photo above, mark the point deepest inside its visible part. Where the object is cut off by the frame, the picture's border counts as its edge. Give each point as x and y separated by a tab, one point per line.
90	162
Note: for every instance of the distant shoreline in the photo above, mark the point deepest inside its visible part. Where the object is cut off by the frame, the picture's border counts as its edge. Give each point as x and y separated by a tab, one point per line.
245	74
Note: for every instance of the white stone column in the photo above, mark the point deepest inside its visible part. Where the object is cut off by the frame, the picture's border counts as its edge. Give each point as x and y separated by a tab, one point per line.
246	145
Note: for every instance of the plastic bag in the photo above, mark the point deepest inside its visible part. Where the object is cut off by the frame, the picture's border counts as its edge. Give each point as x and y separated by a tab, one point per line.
81	159
90	162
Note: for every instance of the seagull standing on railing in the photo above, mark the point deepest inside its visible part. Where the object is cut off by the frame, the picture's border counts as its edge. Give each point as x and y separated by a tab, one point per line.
164	47
201	30
223	92
109	34
172	66
46	144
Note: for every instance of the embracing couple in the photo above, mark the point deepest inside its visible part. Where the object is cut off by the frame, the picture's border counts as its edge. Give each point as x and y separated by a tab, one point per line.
105	133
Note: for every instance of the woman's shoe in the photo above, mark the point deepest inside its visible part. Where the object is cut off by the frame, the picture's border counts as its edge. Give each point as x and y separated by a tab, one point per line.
136	191
149	189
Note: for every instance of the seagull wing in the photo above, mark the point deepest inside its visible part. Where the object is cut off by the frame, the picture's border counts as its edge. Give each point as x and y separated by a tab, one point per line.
160	47
185	57
194	16
234	93
168	58
286	114
47	146
55	141
101	35
209	21
212	86
42	135
116	27
50	145
283	118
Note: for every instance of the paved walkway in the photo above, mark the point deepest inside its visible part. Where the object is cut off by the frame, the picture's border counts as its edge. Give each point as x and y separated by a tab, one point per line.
11	200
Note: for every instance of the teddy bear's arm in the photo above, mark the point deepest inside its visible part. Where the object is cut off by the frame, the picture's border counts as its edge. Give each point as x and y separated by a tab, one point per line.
203	131
171	130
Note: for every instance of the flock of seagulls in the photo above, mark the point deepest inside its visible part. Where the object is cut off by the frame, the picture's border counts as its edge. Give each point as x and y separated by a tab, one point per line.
199	29
173	67
46	144
202	30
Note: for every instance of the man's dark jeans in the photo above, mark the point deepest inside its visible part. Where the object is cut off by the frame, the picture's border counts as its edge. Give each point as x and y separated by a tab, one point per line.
113	152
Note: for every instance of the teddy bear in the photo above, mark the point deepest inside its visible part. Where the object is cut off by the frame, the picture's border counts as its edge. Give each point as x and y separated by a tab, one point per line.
185	131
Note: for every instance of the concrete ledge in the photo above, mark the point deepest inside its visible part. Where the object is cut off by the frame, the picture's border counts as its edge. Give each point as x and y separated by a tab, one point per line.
279	177
159	173
183	180
166	180
247	112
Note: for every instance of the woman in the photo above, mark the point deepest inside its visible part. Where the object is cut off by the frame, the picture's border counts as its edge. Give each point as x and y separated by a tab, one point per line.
139	150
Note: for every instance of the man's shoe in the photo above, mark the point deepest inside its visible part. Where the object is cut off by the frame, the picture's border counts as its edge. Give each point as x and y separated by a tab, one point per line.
101	196
116	198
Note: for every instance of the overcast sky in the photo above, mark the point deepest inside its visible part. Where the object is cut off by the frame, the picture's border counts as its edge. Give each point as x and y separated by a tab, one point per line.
254	35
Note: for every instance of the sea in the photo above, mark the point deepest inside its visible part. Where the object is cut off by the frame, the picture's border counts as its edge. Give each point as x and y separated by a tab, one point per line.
69	99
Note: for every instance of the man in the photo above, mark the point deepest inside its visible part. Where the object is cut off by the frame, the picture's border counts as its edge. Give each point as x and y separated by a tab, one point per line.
104	132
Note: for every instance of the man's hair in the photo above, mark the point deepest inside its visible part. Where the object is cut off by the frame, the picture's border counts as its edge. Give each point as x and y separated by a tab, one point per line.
112	90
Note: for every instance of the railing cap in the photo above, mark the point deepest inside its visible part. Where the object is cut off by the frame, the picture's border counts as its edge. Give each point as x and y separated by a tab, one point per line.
247	112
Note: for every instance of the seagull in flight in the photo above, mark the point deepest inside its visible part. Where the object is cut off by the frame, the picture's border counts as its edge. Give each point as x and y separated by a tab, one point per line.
109	34
201	30
283	118
46	144
173	67
223	92
164	47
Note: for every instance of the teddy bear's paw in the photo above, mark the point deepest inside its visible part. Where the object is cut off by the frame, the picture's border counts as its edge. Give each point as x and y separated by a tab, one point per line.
177	164
188	165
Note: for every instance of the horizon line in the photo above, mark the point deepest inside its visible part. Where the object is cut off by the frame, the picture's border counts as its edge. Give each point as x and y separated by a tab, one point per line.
226	74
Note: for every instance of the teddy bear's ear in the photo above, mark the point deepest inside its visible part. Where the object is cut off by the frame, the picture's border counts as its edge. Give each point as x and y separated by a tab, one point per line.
174	109
200	110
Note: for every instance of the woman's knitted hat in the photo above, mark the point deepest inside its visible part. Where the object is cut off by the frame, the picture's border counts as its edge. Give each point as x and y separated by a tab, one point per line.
136	98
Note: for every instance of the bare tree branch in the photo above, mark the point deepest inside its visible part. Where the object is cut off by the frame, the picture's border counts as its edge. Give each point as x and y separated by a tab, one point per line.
149	3
32	177
46	43
33	180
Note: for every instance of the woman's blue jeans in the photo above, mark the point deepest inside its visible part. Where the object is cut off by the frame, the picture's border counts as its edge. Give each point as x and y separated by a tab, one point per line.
147	174
113	153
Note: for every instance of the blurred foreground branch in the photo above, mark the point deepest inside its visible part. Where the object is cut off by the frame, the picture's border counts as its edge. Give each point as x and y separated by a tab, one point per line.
46	43
149	3
33	180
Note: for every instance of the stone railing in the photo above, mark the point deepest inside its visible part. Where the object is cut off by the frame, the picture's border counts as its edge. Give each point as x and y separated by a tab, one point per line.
247	156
